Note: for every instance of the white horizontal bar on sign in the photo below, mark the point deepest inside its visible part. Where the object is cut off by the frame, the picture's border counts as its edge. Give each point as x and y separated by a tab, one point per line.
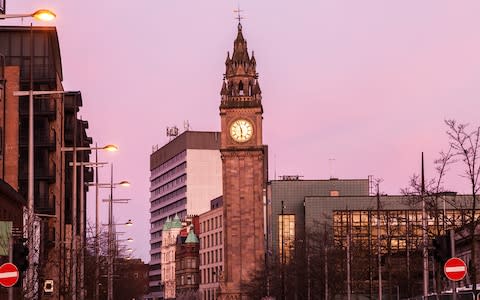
455	269
8	275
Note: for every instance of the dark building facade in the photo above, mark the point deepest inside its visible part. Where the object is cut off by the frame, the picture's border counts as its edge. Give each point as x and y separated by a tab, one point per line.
11	211
187	273
31	60
292	193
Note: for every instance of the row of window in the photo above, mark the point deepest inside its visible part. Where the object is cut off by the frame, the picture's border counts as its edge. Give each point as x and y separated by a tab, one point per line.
156	235
182	214
167	186
210	294
166	165
211	240
169	174
188	263
169	196
211	224
210	275
208	257
169	207
190	279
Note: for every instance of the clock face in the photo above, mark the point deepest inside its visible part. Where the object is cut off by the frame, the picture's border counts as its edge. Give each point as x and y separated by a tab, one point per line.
241	130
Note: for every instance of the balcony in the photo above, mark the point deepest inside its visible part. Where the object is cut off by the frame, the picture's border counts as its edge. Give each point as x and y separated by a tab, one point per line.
40	173
41	107
45	205
41	73
44	141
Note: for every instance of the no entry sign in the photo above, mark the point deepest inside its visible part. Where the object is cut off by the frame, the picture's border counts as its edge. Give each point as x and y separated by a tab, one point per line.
455	269
8	275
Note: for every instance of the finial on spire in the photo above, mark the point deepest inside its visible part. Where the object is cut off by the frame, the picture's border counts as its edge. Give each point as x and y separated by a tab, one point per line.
239	17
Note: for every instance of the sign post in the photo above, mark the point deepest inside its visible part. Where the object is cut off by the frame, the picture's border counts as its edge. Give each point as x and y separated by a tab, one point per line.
455	269
8	275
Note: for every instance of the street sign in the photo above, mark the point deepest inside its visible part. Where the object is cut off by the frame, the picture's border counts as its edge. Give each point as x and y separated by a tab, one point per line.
455	269
8	275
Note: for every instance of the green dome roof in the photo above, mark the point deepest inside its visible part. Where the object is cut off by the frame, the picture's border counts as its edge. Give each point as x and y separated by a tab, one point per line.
176	223
168	224
192	238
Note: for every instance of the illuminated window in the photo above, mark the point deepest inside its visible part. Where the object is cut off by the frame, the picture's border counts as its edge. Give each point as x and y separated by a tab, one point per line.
334	193
286	236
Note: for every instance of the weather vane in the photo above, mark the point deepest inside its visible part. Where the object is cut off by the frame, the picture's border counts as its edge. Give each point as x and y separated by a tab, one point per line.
239	16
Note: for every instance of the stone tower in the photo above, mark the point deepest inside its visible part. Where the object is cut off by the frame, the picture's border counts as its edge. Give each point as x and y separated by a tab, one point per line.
243	170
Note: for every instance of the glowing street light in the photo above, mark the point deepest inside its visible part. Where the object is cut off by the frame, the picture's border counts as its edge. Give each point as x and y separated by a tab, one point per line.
41	14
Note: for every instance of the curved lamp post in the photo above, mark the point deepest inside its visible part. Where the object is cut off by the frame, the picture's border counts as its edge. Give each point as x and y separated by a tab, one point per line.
41	14
75	149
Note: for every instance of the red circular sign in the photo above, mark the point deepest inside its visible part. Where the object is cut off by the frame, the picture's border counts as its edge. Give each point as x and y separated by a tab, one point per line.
455	269
8	275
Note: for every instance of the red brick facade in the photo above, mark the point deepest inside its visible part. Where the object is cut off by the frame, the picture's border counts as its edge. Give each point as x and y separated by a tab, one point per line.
243	173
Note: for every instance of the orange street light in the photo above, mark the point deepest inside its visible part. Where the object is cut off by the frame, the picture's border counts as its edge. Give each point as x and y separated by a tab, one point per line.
41	14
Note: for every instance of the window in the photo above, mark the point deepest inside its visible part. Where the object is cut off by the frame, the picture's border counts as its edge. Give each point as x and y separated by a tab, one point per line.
334	193
286	236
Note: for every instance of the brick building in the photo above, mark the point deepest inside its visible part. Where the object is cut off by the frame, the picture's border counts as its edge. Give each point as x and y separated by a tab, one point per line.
55	125
211	249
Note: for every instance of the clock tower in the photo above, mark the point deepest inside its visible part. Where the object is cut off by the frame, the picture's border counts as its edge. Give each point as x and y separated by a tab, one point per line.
243	171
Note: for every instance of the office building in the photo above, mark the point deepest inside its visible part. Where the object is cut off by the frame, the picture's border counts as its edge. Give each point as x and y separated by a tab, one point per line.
186	174
291	192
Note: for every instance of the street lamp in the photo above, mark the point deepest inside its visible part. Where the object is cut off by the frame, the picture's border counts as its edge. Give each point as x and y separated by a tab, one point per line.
44	15
110	224
41	14
98	185
75	149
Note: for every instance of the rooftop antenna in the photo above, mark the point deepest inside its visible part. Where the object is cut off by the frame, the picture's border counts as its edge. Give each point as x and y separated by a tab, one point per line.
172	132
331	162
275	167
186	125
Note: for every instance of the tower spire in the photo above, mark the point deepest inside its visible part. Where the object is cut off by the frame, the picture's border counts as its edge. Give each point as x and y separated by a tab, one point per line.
241	77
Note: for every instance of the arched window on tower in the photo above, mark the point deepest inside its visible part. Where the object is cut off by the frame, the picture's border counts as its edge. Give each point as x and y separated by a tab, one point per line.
240	88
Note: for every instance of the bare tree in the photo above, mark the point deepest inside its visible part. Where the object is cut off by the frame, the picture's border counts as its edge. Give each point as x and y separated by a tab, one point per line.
466	147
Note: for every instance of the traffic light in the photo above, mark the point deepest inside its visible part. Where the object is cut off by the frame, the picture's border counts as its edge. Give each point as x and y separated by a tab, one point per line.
20	255
441	248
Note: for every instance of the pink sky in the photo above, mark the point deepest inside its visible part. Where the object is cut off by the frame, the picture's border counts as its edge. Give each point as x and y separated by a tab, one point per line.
367	83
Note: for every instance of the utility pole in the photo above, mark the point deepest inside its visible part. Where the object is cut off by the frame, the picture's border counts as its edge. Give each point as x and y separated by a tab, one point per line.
97	230
452	249
110	238
349	282
424	235
325	248
378	245
283	257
